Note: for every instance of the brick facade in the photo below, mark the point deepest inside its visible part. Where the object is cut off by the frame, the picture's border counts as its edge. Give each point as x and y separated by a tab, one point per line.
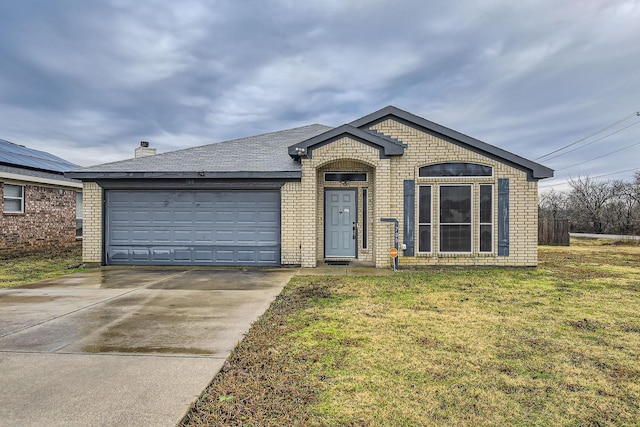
92	222
302	202
385	188
49	219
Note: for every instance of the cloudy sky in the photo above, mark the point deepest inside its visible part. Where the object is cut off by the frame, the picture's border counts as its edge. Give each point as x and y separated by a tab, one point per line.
88	80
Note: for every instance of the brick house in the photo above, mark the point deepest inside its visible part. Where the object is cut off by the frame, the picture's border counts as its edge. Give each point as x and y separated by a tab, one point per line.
313	194
41	208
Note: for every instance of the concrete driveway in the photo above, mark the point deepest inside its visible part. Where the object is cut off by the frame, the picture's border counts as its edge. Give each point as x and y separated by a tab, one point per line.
123	346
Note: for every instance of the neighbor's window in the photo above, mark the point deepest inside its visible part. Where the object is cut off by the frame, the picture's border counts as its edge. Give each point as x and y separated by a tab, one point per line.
486	218
13	198
455	218
424	218
455	169
78	214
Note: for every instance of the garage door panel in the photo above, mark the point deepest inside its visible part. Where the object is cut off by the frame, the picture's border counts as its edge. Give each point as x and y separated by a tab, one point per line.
193	227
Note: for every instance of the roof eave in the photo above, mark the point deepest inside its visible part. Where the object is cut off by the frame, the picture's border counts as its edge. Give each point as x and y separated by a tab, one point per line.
88	176
305	148
536	170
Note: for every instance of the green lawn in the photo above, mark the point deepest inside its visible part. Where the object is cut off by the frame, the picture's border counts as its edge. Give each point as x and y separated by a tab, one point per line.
40	265
556	345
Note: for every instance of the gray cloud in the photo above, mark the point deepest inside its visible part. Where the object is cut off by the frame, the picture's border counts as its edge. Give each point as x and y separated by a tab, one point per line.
87	80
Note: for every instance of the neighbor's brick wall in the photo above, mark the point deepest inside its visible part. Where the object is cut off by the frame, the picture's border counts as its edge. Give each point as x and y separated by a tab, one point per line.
92	222
48	221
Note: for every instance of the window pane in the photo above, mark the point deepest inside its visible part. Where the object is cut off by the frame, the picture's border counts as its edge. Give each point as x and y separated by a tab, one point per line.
78	227
455	238
12	190
12	205
349	177
455	169
78	205
455	204
485	204
424	216
365	218
486	238
424	238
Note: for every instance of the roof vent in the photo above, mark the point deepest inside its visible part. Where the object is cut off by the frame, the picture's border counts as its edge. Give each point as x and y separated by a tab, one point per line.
144	150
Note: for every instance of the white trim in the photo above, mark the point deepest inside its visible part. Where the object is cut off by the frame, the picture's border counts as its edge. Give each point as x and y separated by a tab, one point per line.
430	219
440	222
492	223
365	218
38	180
5	198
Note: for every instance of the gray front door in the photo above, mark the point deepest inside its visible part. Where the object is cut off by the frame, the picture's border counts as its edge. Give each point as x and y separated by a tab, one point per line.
340	223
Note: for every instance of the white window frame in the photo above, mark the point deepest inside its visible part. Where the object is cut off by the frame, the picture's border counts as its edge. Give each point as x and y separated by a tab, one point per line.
440	224
430	224
365	218
480	223
79	212
5	197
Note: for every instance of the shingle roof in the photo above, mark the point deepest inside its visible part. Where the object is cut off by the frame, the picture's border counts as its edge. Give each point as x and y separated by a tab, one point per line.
260	155
268	155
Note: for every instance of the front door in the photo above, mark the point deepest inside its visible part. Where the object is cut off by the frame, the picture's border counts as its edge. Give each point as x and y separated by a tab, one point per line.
340	223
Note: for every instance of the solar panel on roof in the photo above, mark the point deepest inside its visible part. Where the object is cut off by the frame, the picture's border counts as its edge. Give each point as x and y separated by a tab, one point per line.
19	155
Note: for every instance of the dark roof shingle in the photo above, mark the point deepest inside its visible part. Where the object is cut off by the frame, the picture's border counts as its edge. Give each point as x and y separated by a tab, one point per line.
254	154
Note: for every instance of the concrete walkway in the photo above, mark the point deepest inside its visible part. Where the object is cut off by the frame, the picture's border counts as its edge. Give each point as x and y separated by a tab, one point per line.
604	236
352	269
123	346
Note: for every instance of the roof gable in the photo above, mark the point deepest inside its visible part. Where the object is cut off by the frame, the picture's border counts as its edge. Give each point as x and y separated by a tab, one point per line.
386	146
535	170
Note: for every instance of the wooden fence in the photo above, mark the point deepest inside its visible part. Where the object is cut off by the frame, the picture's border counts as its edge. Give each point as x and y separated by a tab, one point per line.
554	232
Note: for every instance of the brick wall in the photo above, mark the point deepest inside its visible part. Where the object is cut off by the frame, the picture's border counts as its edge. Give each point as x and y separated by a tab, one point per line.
386	192
423	149
92	222
48	221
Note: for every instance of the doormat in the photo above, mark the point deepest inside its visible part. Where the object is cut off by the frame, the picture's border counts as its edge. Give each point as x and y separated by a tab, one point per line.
338	262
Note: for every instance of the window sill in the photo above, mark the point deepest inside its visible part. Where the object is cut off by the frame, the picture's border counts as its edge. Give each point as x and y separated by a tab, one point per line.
454	255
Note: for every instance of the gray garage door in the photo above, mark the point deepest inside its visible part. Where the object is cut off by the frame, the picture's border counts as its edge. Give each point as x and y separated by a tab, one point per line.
193	227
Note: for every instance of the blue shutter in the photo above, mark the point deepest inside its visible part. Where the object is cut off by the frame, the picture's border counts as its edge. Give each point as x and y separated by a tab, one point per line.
503	217
409	216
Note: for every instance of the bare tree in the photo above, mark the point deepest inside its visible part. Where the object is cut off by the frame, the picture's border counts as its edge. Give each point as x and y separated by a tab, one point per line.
588	200
552	205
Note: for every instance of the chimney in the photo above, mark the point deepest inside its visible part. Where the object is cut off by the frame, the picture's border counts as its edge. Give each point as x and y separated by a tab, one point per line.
144	150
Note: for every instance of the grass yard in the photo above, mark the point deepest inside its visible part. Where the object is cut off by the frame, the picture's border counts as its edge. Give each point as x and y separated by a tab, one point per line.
552	346
32	267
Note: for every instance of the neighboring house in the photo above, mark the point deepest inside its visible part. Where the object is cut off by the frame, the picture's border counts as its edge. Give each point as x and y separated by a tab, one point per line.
41	208
313	194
